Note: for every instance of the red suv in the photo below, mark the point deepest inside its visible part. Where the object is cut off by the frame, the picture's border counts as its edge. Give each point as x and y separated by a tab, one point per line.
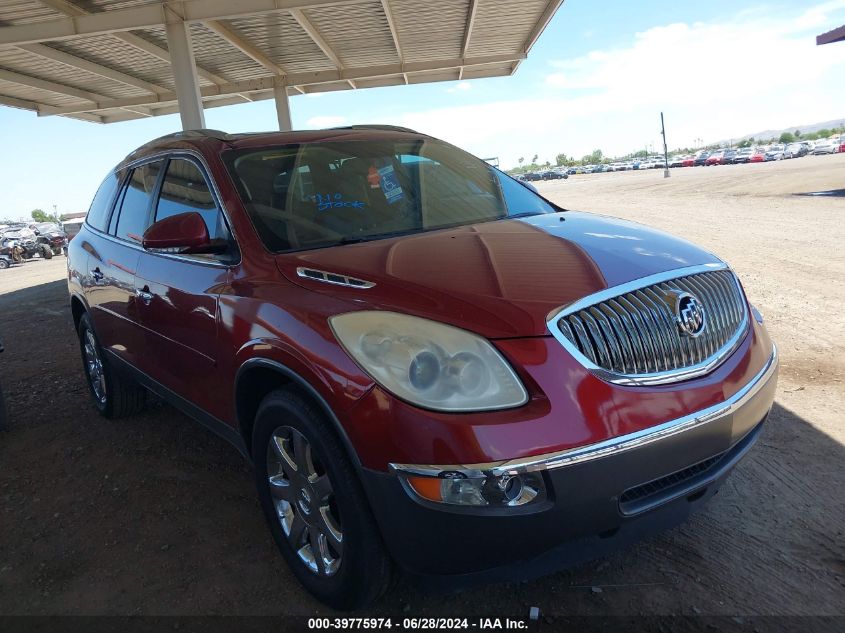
432	368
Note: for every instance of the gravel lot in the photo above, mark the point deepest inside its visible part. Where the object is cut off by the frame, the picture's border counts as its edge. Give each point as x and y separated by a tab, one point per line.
155	516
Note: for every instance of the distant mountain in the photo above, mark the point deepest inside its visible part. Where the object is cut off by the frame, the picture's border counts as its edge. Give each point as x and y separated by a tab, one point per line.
805	129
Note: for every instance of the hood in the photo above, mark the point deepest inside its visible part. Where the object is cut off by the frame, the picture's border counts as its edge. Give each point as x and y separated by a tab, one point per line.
499	279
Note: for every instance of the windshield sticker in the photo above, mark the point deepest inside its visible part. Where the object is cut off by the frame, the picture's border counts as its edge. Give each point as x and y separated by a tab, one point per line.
335	201
390	184
373	177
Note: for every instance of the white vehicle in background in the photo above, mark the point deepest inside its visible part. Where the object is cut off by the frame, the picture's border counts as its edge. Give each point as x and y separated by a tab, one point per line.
825	146
775	152
72	227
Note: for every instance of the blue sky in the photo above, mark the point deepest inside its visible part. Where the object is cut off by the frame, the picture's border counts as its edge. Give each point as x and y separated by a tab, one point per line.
597	78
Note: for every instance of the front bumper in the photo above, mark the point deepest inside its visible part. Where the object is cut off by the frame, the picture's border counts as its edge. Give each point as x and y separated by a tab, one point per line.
600	497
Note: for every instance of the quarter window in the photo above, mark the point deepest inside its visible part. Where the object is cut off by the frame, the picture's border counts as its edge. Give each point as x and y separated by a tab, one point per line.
135	203
98	213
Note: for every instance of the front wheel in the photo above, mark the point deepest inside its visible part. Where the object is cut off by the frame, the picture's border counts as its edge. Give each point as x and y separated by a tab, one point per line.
47	252
314	504
4	263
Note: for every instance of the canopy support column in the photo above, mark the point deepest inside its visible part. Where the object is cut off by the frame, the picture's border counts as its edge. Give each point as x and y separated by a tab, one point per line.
185	75
282	108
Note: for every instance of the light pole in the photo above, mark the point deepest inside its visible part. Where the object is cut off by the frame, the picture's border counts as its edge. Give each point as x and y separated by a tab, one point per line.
665	149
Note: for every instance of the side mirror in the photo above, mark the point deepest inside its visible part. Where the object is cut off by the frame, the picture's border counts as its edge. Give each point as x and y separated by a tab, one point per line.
183	233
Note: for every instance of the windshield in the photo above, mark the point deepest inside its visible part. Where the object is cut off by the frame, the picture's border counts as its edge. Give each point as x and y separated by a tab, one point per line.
315	195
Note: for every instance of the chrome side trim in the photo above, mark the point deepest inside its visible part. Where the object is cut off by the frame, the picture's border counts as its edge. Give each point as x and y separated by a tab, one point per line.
333	278
645	379
168	154
606	448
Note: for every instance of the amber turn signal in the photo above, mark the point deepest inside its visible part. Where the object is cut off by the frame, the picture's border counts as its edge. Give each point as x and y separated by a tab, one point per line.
427	487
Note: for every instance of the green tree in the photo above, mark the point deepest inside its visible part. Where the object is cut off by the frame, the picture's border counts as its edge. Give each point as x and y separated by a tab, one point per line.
787	137
823	133
42	216
534	160
521	159
797	133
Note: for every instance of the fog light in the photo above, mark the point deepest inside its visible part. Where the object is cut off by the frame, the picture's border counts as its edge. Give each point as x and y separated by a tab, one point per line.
455	488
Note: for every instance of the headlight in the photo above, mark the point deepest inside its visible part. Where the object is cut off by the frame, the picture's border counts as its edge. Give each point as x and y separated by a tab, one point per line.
485	490
429	364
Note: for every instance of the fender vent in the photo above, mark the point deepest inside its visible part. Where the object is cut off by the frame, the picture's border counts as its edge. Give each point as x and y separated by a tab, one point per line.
333	278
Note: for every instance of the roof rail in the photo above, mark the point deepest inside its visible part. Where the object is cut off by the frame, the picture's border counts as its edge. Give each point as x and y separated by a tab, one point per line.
184	134
386	128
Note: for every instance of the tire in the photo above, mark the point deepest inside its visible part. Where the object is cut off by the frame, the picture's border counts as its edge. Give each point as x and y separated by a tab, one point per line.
47	252
115	395
309	492
4	263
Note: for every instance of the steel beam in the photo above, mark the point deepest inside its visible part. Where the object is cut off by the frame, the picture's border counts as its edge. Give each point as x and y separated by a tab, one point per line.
471	12
148	16
476	64
72	10
51	86
185	76
280	94
317	37
245	47
91	67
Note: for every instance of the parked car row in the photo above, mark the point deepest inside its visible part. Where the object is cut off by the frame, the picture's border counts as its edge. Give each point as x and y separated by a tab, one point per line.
556	173
760	154
19	242
728	156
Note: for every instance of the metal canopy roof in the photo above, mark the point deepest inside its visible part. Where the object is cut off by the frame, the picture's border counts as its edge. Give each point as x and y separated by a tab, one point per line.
107	60
836	35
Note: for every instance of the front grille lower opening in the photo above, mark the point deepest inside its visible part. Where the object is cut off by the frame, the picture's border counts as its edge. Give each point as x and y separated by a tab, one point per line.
658	486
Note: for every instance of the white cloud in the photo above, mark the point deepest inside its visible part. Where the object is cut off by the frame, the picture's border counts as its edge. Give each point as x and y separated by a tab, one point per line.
326	121
714	80
461	86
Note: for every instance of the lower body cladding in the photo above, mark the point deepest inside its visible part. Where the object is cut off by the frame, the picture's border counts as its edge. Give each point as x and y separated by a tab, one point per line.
594	499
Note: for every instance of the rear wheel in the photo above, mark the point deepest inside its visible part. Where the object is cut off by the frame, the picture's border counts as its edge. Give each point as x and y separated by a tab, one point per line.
46	252
115	395
314	504
4	263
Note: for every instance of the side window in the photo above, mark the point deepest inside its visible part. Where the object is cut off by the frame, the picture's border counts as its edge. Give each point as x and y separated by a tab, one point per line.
185	189
98	212
135	202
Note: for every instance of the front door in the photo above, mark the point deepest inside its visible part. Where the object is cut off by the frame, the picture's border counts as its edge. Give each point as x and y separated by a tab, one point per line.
179	295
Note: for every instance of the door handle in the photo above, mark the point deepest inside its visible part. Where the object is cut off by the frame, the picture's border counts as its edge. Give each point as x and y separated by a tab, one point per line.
144	295
97	274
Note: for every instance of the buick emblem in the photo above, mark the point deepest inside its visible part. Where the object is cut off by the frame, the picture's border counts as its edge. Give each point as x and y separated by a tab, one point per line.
689	314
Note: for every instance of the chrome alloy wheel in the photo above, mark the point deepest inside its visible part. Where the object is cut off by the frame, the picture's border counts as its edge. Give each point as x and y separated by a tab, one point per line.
94	365
304	500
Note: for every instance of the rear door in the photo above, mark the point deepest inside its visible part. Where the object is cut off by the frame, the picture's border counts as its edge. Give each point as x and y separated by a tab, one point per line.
179	305
113	261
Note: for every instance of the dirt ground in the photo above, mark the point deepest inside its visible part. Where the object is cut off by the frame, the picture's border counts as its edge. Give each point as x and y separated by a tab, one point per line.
155	516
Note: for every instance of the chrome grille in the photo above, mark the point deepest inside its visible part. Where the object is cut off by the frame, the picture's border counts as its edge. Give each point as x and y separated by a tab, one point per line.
631	334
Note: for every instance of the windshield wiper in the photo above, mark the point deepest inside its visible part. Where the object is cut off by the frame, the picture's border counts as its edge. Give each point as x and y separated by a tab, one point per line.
356	239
